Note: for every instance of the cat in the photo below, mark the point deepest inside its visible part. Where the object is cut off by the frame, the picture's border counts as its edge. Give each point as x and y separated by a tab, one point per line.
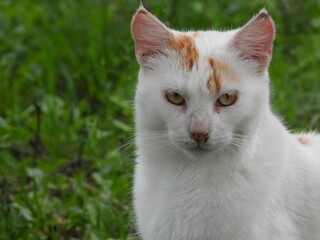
213	161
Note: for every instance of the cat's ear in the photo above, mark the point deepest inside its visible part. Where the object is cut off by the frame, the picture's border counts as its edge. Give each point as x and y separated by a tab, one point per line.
149	34
253	42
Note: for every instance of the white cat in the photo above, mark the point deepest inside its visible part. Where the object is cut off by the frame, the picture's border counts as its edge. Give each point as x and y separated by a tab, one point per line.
213	161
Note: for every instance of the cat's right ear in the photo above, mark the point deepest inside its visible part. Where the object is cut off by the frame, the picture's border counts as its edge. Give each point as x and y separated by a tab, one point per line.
149	34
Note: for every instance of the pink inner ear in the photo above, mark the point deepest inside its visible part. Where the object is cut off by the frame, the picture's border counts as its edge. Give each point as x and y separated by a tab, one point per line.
254	41
149	34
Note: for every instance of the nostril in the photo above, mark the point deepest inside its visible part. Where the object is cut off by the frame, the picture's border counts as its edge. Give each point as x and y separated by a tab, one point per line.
200	137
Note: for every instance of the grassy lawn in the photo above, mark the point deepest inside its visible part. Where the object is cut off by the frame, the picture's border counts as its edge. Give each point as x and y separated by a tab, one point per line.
67	80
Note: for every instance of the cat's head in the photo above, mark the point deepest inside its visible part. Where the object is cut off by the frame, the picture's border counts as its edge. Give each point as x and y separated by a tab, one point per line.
203	91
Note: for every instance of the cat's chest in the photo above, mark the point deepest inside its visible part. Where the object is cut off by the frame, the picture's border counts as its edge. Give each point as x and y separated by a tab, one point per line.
196	203
174	215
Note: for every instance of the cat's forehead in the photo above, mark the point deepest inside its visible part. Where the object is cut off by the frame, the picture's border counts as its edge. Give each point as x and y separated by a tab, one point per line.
211	42
205	58
205	43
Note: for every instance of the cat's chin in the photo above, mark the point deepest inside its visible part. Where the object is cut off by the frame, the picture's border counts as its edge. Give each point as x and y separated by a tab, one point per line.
197	151
201	151
205	154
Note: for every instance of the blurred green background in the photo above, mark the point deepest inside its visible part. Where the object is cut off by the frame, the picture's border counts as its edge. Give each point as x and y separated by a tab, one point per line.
67	80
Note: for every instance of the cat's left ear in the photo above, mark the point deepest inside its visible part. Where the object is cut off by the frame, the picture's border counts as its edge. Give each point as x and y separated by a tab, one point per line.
253	42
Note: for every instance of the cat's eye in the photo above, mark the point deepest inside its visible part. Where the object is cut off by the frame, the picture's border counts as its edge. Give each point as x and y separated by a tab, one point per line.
175	98
227	99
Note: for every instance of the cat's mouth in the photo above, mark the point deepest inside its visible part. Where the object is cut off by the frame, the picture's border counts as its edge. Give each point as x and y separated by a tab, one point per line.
192	147
204	148
201	147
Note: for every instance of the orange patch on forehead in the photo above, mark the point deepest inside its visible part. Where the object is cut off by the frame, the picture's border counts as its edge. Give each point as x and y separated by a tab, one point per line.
304	140
184	44
219	69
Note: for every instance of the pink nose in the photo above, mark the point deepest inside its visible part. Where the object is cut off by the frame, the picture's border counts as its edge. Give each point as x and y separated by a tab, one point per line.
200	126
200	137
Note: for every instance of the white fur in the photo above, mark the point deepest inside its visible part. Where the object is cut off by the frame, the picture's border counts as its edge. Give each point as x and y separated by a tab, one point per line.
253	180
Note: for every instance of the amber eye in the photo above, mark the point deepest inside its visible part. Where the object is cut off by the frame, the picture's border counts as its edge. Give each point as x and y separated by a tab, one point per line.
175	98
227	99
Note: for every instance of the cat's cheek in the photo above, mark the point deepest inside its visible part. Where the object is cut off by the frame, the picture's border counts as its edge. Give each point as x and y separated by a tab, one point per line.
178	137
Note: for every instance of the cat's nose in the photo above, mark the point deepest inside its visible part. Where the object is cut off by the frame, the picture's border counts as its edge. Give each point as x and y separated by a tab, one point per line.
199	126
200	137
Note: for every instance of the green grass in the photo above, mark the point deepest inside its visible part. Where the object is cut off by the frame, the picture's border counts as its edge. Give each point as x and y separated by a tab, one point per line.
67	79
